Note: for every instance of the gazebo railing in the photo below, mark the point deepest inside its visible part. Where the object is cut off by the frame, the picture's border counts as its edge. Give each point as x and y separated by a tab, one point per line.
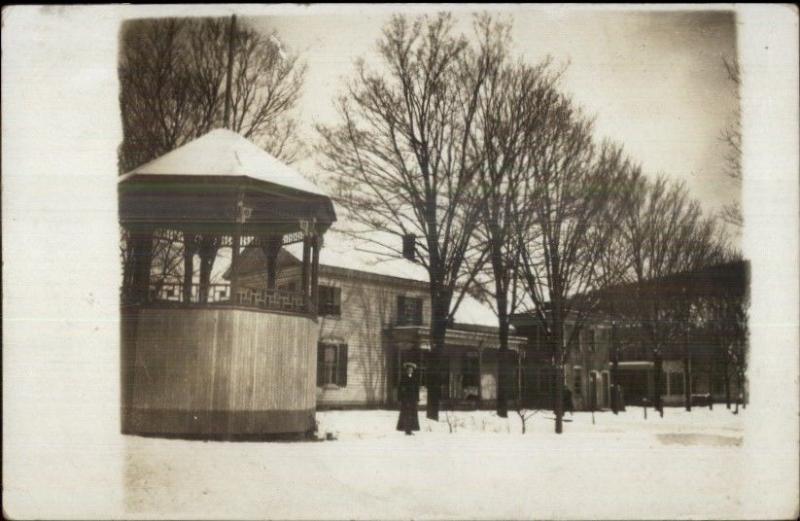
272	299
220	294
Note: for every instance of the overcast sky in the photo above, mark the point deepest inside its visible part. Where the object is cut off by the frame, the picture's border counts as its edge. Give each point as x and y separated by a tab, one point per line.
654	80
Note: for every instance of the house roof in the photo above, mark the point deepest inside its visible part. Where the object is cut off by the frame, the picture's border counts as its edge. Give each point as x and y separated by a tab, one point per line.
343	252
224	153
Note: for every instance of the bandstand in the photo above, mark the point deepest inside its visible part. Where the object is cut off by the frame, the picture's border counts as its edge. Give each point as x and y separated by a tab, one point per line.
209	359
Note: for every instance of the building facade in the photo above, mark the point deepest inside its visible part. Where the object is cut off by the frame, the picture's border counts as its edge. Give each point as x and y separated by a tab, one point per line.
371	323
612	348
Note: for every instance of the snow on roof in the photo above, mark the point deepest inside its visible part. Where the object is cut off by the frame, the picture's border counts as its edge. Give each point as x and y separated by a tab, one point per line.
344	251
340	250
472	311
223	152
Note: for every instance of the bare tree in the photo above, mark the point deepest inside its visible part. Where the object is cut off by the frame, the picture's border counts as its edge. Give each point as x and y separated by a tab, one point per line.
724	314
569	193
665	234
511	106
172	87
402	163
524	414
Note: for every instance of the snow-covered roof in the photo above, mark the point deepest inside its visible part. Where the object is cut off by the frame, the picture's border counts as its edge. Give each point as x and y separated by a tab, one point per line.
223	152
343	251
472	311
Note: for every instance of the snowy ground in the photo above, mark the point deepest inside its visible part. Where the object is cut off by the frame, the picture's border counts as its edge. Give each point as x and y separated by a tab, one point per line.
685	465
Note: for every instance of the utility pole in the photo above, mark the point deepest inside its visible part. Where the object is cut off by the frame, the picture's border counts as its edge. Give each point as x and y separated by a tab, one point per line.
228	79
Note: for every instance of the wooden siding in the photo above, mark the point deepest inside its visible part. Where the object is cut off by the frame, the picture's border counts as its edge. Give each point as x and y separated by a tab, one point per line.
368	308
222	365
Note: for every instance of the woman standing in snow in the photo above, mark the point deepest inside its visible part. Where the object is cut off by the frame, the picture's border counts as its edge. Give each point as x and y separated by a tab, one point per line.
408	395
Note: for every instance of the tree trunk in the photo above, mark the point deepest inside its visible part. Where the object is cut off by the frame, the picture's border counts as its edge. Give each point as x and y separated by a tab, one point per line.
727	376
208	253
502	359
439	313
739	391
558	356
658	369
614	369
271	247
687	376
743	390
711	364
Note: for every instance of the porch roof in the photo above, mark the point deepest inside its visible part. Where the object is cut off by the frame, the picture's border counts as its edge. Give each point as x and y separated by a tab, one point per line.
460	335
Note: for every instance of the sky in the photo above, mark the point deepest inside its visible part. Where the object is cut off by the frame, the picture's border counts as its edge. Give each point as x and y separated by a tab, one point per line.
655	81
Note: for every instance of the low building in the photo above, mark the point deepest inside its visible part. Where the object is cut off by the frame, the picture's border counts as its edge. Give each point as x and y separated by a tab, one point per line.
586	373
702	357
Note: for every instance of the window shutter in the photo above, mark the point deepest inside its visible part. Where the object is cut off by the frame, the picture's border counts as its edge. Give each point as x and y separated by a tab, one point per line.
418	312
341	366
322	304
337	301
320	364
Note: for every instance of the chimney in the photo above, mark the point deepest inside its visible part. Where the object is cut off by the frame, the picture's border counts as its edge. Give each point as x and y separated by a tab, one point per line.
409	246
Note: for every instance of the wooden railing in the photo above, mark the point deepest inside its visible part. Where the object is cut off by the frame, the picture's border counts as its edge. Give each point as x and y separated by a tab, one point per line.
272	299
220	294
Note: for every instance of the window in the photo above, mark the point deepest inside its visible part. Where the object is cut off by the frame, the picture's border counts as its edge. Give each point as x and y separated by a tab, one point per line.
675	383
577	377
470	370
409	311
330	300
331	364
591	342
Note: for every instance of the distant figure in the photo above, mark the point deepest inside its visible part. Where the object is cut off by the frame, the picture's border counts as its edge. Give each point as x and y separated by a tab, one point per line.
568	406
408	395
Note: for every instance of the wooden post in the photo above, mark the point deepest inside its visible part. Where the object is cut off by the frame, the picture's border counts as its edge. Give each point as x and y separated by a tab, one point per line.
189	248
236	243
315	273
304	274
143	258
236	246
480	380
271	247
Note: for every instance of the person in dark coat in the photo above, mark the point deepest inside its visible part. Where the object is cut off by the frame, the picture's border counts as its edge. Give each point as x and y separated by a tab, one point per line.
408	396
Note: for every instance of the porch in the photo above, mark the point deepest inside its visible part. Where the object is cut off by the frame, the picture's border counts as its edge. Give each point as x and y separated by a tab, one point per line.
469	364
